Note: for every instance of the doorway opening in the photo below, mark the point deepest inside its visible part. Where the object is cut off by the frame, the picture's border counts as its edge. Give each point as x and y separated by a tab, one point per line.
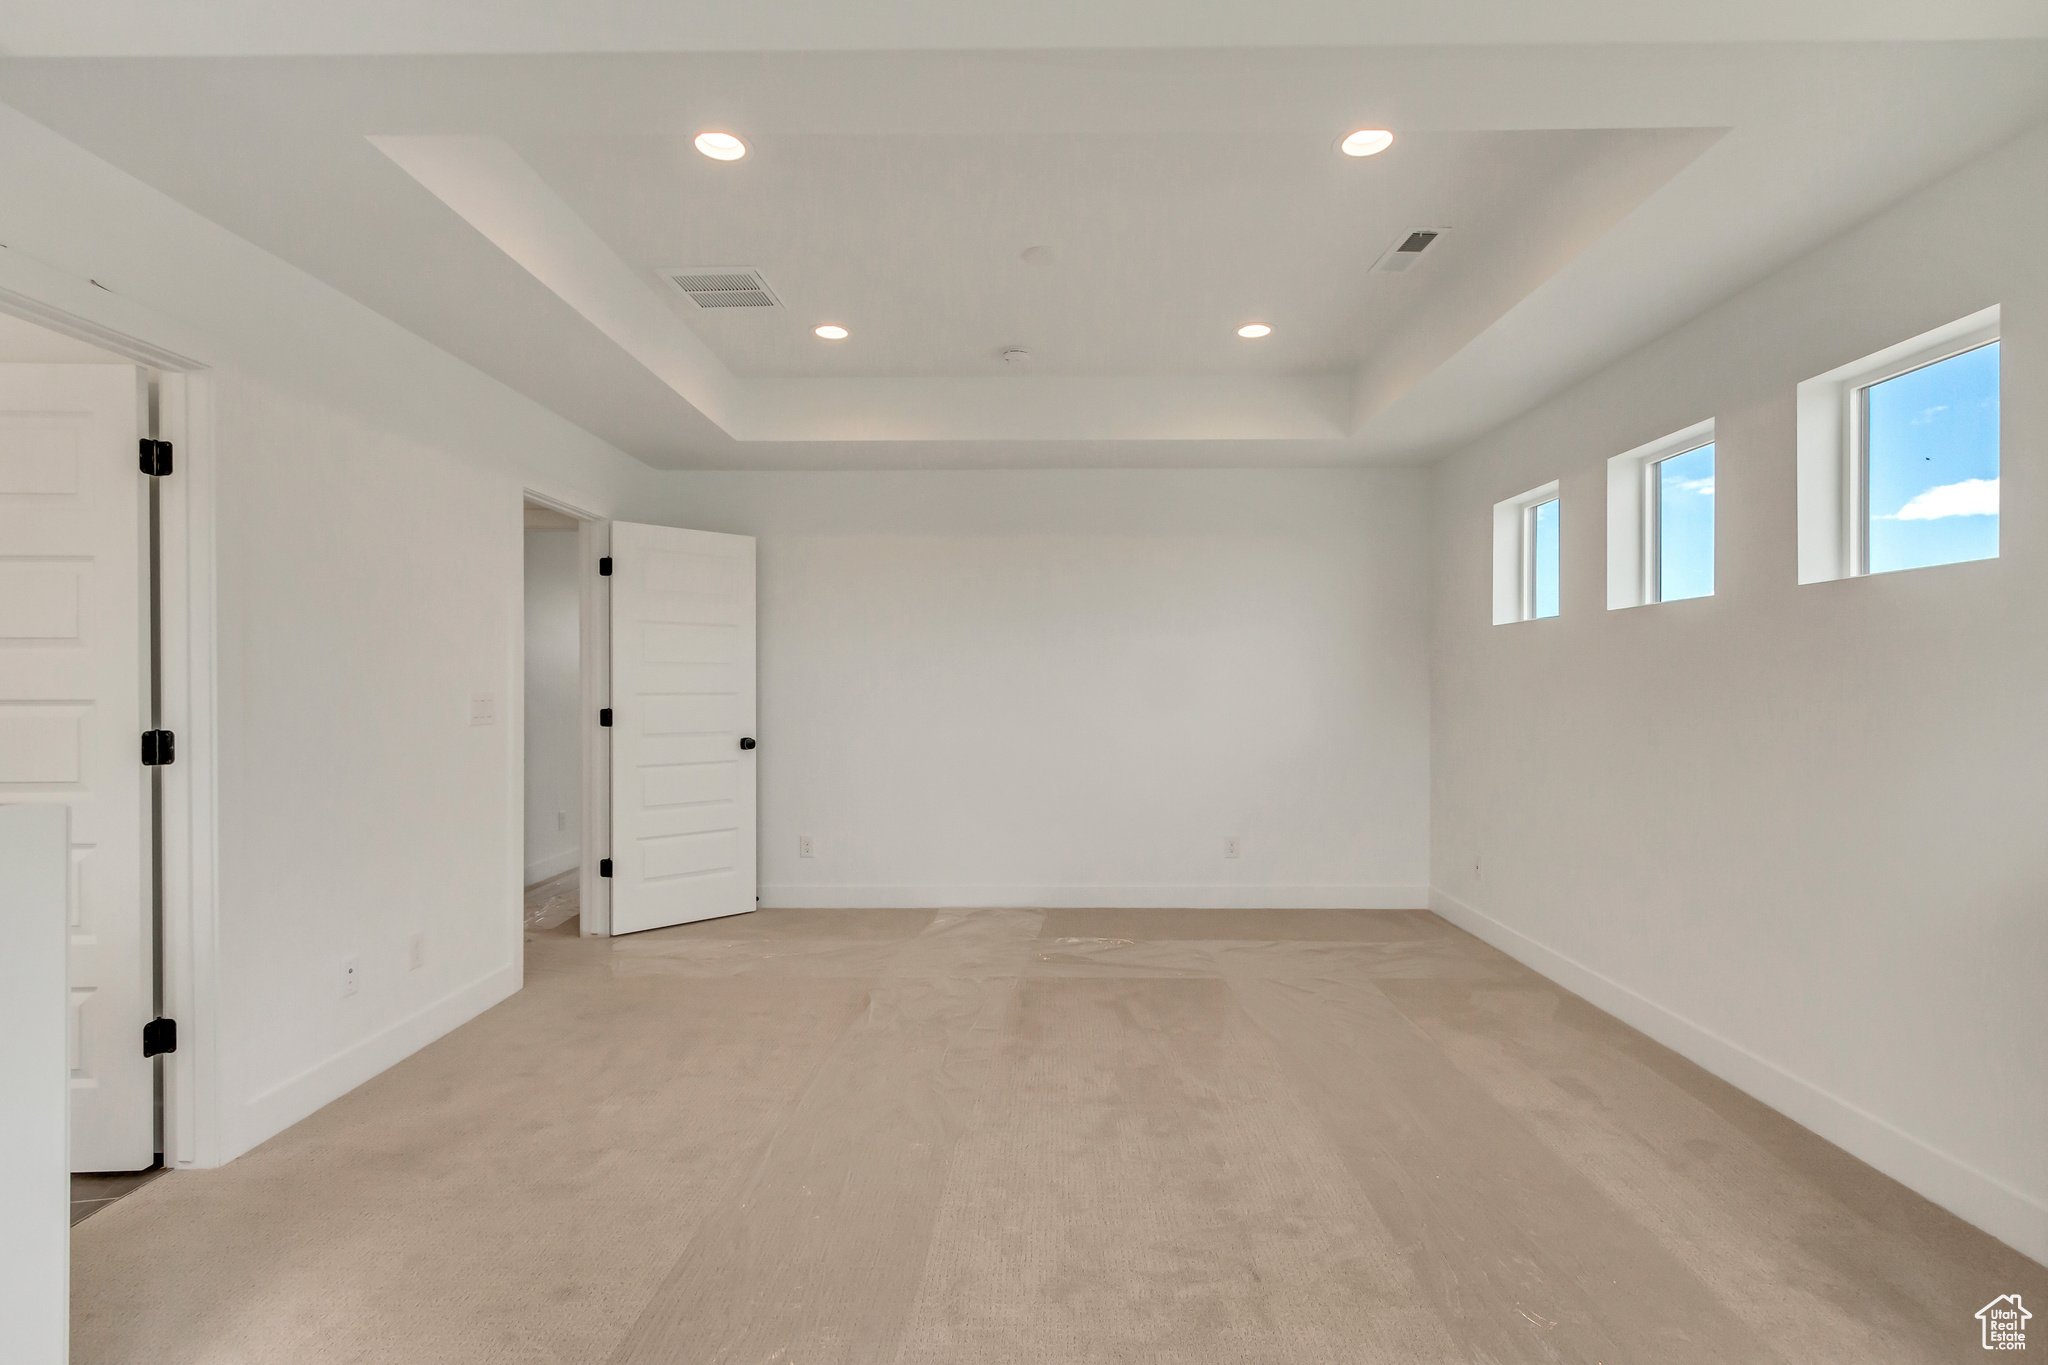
554	722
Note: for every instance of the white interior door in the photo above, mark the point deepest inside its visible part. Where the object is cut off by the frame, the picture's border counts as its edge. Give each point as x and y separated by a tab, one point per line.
682	726
73	706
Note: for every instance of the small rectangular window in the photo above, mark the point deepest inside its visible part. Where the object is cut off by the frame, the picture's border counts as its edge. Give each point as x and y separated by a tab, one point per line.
1684	490
1542	578
1930	463
1525	556
1660	520
1898	456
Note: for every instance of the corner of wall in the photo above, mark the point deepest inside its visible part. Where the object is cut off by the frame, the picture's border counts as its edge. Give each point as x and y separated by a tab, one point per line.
2011	1215
265	1115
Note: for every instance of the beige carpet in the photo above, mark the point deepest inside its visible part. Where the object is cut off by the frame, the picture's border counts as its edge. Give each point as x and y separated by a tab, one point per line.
812	1137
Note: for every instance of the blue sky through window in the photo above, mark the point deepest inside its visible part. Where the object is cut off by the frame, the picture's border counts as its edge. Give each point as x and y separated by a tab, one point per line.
1933	471
1543	559
1685	525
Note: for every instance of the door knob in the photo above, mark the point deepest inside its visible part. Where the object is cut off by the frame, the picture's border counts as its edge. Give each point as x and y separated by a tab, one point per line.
747	743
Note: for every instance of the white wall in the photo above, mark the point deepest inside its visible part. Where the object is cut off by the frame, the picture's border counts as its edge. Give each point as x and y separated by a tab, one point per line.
35	1081
1069	687
369	589
366	545
1793	831
554	736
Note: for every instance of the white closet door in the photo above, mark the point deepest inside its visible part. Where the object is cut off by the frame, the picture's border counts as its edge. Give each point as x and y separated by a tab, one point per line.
682	726
73	706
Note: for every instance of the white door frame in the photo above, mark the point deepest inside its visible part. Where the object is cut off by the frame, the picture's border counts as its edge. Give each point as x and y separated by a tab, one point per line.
593	690
48	298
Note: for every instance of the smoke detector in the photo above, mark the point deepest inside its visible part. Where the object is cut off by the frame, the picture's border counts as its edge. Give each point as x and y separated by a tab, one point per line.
1016	355
1406	252
722	286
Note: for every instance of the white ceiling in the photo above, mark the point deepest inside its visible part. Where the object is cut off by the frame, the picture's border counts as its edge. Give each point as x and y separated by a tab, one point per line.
283	28
516	210
1163	243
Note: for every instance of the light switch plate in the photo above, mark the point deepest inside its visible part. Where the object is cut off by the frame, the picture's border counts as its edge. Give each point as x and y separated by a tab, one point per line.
483	709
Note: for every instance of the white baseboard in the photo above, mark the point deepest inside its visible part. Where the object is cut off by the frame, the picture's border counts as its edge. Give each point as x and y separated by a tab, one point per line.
788	896
278	1108
553	865
2011	1215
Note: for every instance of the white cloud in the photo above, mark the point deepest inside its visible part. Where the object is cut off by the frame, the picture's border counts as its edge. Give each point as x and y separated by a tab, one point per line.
1704	487
1928	414
1970	498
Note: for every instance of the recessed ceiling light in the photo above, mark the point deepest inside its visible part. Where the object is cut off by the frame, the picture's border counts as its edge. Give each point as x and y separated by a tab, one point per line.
1252	331
831	332
721	146
1366	142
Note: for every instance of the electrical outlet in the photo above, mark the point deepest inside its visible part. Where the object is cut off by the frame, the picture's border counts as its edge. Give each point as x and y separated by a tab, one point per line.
348	977
803	845
419	950
1233	846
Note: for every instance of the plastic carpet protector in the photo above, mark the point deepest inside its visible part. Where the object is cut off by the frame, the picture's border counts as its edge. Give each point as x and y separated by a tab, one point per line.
900	1137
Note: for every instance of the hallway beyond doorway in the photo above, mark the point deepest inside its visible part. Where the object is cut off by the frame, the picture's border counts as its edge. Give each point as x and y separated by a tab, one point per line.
554	903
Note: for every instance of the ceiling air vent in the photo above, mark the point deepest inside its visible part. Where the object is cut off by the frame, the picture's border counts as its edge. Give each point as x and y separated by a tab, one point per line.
722	286
1408	250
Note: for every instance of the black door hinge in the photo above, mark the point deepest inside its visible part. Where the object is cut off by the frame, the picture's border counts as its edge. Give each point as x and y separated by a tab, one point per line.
159	1036
604	867
604	716
604	567
156	457
158	748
